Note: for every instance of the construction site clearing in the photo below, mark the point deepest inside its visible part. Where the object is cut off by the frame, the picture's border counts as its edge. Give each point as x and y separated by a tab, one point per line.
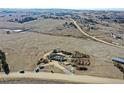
66	62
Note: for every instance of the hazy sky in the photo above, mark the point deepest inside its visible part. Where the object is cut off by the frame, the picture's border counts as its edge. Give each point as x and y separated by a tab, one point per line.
71	4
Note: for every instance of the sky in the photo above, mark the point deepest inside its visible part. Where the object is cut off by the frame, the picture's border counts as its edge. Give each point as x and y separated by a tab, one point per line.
66	4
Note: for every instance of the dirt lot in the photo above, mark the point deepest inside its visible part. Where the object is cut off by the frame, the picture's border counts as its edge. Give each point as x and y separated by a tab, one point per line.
23	50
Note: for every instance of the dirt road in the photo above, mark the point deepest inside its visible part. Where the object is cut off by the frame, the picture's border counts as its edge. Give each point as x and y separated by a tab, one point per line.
60	77
94	38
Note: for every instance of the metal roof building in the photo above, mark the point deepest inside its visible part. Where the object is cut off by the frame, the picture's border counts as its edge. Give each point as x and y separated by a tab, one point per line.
118	60
57	57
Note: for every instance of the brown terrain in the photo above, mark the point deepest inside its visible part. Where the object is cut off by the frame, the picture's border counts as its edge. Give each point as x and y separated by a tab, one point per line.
47	32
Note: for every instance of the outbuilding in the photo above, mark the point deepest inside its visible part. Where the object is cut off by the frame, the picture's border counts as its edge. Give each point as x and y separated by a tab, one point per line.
118	60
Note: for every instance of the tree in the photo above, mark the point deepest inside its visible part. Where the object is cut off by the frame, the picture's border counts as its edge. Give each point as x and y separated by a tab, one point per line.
5	66
27	19
2	57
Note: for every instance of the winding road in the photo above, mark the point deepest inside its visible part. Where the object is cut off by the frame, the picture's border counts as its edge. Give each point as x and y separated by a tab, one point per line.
92	37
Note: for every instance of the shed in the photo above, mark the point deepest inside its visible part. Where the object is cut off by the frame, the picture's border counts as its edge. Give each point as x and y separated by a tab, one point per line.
118	60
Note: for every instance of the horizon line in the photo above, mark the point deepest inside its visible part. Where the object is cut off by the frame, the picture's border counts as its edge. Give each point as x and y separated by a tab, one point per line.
114	9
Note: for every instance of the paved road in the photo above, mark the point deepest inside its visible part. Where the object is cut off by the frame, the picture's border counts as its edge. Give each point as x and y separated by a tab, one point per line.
61	77
94	38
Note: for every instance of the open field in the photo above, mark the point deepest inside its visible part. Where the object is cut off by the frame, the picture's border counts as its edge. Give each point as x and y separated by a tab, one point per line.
25	49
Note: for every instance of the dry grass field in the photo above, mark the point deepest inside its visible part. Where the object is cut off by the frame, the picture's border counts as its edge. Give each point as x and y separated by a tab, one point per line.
48	31
25	49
